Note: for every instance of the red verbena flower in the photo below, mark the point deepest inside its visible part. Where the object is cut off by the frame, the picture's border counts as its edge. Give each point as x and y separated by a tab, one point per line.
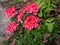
7	38
23	9
10	12
31	22
32	8
19	17
13	43
11	27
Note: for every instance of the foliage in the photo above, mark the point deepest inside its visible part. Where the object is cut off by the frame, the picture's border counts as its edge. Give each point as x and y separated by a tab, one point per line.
30	38
55	1
17	1
54	33
46	7
50	24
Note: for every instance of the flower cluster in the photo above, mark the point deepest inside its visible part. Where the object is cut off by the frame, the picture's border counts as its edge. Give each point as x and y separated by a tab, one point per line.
10	12
11	27
31	22
23	10
19	17
33	8
27	17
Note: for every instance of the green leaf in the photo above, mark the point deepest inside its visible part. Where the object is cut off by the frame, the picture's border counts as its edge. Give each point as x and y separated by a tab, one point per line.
34	39
18	42
54	6
49	20
13	19
50	24
41	43
40	13
50	27
17	1
47	9
42	5
38	2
